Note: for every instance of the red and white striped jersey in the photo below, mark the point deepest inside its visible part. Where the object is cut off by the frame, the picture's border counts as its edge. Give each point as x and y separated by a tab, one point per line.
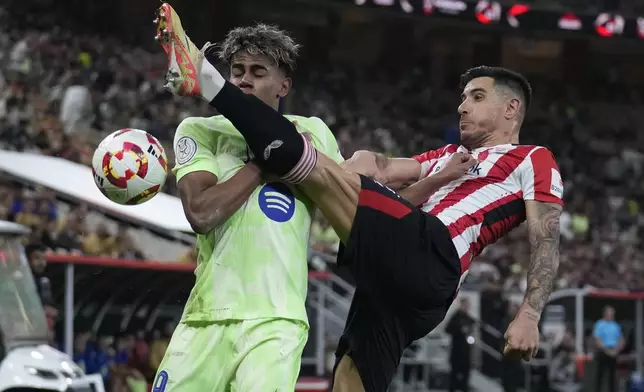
488	202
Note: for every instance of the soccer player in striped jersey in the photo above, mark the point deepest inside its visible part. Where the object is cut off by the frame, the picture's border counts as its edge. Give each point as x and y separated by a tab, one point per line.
407	263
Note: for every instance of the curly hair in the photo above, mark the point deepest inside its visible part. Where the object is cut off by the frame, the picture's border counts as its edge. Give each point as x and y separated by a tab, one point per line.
264	39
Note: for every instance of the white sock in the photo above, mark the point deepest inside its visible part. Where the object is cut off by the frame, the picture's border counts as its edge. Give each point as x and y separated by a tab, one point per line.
210	80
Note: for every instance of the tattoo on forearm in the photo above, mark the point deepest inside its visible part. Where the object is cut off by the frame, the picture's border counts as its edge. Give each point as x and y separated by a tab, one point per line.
544	255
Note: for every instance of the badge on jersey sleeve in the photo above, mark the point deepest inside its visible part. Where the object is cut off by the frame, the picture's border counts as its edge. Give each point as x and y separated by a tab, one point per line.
185	149
556	184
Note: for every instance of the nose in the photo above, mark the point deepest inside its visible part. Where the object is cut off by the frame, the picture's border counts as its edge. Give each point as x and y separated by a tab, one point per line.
246	80
462	109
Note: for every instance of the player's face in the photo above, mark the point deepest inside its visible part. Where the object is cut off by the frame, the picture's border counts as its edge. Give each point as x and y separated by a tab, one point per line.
256	74
481	109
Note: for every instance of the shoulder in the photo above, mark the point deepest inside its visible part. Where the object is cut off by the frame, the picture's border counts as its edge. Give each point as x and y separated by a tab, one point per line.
311	124
202	129
531	151
532	157
203	123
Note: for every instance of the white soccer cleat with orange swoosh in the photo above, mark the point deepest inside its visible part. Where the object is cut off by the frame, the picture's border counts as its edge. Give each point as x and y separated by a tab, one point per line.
184	58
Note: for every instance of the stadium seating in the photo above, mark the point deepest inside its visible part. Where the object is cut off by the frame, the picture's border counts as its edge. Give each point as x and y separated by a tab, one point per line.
61	93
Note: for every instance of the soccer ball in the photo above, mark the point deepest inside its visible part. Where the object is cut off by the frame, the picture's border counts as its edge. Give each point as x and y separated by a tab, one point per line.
130	166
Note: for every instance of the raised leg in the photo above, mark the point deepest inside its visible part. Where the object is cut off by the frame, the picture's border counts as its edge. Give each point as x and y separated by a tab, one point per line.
347	378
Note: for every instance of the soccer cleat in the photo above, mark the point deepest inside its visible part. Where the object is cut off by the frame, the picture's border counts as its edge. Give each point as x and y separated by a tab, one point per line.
184	59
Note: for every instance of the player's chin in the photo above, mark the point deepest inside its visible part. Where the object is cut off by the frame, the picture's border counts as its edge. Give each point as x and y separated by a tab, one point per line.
467	138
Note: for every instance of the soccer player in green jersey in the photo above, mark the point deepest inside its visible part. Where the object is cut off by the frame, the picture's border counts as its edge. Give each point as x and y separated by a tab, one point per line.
245	325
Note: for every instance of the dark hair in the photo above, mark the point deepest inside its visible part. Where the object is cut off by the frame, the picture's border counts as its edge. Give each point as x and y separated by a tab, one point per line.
31	248
264	39
504	77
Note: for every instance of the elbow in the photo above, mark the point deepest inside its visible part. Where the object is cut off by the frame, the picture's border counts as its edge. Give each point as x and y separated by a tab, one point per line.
203	222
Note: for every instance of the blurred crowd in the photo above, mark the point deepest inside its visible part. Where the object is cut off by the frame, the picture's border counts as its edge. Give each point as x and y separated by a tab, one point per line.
57	228
127	361
60	93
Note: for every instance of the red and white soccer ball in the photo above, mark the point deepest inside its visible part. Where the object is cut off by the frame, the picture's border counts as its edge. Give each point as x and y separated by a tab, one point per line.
130	166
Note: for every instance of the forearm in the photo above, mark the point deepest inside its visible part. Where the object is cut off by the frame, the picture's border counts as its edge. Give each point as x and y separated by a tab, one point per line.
598	342
367	163
544	257
219	202
417	193
393	172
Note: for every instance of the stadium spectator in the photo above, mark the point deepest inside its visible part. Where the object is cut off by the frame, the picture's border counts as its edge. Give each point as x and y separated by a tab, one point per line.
140	353
609	341
70	234
125	378
102	357
36	257
461	328
158	346
82	349
99	242
126	247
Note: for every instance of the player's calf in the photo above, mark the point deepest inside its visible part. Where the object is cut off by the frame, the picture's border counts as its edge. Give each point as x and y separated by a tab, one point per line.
346	377
273	139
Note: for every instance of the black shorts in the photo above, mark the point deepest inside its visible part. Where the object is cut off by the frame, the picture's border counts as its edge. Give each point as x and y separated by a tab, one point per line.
406	271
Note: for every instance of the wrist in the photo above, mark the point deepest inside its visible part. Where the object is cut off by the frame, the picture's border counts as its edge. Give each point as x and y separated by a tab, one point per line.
444	177
530	312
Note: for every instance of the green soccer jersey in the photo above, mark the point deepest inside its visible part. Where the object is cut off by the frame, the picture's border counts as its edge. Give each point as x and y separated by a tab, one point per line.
254	265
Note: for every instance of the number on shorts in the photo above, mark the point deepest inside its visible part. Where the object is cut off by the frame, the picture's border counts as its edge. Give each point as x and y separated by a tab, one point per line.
160	382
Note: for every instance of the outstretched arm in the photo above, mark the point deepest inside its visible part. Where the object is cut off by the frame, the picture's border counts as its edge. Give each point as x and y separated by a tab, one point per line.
522	336
393	172
543	232
542	193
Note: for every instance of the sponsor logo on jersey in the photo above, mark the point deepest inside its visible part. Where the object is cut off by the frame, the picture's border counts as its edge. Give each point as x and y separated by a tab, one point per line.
277	202
476	170
556	184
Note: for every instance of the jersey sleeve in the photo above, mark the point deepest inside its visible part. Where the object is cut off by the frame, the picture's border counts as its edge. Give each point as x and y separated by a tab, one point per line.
324	140
428	159
540	177
192	150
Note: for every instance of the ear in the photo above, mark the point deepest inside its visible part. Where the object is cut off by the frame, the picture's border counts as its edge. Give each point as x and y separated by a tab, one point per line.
285	87
512	109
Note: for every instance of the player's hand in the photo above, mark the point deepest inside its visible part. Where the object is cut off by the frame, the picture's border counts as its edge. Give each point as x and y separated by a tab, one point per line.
522	336
458	165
